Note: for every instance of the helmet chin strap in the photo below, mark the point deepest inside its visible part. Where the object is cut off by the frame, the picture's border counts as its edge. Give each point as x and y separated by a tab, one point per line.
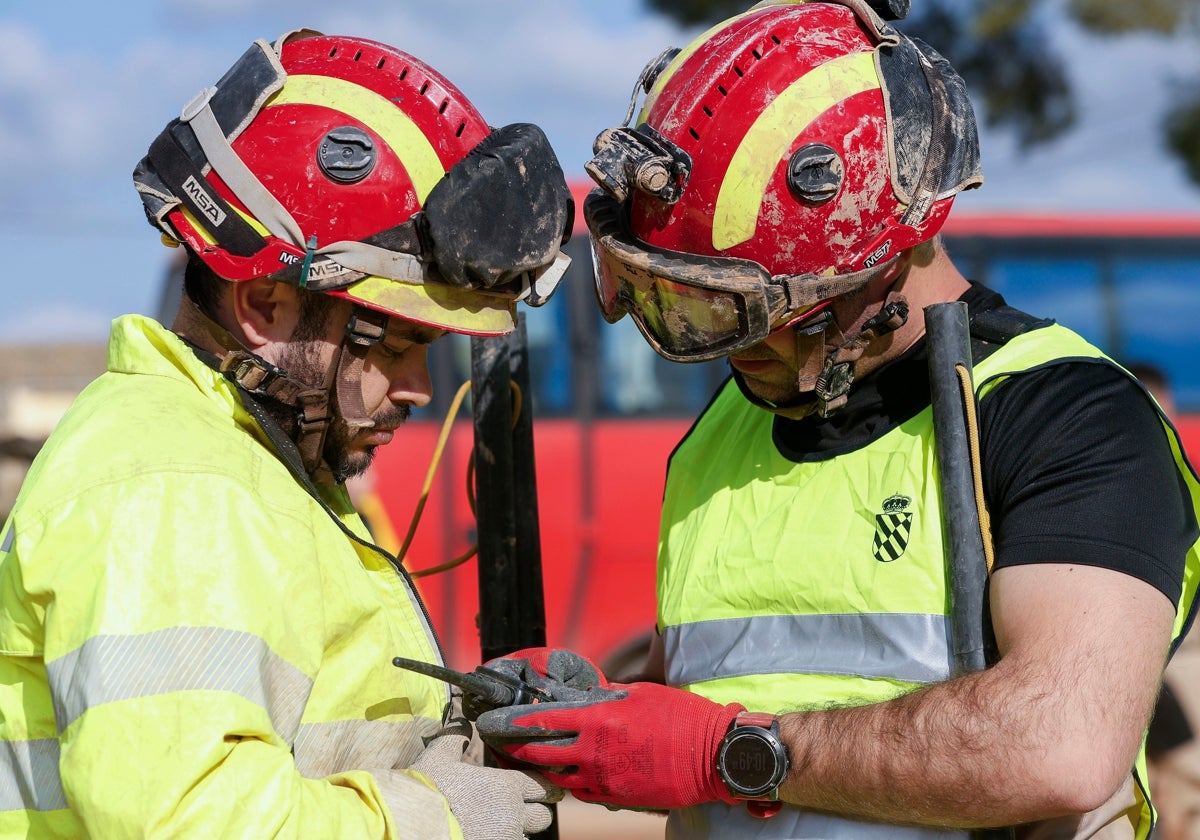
829	357
837	372
312	403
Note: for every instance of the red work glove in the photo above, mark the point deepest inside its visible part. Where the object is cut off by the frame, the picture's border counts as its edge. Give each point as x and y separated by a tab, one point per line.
640	745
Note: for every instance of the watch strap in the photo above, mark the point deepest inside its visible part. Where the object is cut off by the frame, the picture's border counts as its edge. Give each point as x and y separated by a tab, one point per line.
763	720
769	806
760	808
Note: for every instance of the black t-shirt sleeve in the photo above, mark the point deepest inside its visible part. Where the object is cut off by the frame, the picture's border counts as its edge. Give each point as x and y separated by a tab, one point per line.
1077	470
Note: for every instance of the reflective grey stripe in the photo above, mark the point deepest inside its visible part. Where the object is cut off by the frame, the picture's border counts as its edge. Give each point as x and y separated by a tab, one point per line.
111	668
9	536
901	646
715	820
29	778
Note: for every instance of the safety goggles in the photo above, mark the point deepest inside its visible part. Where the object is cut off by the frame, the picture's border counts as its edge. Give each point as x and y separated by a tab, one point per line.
693	308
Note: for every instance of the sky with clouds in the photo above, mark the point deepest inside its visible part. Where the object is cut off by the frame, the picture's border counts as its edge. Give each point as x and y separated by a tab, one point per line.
85	86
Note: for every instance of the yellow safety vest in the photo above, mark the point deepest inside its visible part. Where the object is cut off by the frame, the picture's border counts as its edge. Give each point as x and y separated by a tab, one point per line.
190	643
790	586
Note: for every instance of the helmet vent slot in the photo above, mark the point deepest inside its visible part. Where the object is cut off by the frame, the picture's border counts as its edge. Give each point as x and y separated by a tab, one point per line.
403	73
380	63
461	128
358	55
445	104
424	87
757	52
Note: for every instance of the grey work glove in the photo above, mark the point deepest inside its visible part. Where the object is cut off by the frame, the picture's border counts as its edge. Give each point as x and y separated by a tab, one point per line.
563	674
489	803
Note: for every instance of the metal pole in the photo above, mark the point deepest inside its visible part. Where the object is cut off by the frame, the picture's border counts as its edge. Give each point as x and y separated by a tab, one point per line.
949	339
511	602
527	579
495	515
949	351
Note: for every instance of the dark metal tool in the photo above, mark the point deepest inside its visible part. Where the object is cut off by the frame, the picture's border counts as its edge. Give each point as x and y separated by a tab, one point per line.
487	687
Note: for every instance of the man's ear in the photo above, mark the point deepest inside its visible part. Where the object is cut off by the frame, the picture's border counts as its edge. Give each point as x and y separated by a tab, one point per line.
266	311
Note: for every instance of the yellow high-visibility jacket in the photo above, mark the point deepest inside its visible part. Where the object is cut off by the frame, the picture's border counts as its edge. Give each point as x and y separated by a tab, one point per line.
788	586
190	645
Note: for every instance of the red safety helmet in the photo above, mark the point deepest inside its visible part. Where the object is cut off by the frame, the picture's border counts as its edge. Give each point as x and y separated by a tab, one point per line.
779	161
339	164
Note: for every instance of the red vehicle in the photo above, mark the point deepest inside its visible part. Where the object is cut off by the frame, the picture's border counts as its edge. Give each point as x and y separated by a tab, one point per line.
608	412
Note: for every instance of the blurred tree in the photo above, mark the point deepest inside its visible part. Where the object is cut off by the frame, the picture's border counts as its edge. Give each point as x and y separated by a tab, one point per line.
1183	130
1001	48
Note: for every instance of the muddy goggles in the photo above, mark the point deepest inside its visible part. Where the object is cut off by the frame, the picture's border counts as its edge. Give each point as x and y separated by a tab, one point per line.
690	307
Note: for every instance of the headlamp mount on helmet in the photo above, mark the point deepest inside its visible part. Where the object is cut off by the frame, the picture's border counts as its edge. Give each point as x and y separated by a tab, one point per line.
639	159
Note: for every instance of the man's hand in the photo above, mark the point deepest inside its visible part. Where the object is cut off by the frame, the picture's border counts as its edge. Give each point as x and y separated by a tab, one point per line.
640	745
489	803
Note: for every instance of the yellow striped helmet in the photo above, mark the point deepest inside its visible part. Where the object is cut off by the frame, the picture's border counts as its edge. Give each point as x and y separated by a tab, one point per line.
347	166
810	138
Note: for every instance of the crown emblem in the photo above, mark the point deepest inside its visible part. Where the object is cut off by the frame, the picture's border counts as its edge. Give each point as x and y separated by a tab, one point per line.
896	504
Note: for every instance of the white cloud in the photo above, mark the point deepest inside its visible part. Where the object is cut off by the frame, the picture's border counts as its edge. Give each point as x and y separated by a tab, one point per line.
77	110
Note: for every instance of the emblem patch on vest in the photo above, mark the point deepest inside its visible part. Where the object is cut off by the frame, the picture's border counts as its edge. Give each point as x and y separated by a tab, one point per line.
893	528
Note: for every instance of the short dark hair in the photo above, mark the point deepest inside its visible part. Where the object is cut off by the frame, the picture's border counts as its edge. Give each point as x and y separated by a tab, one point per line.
203	285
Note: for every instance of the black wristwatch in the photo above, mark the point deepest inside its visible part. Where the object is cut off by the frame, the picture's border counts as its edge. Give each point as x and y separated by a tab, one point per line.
752	759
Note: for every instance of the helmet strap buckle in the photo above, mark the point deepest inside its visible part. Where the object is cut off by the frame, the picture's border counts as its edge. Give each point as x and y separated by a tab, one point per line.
832	386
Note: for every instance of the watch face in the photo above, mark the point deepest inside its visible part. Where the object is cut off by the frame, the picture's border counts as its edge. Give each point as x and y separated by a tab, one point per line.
749	762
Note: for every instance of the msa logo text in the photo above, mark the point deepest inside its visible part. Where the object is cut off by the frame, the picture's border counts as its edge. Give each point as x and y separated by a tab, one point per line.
880	252
321	268
203	201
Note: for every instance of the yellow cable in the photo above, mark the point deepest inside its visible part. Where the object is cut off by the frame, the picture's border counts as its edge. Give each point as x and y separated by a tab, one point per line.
370	506
985	521
438	451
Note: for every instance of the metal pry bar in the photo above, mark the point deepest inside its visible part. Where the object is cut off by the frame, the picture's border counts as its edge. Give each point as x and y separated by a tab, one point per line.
491	687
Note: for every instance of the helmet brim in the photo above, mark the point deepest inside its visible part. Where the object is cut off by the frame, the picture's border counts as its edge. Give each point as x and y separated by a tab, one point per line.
436	304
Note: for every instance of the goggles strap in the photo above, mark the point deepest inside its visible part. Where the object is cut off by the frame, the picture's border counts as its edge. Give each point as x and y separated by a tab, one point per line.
189	187
233	171
339	264
803	291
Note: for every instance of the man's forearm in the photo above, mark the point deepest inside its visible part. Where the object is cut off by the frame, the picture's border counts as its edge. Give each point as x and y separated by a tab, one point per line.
965	753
